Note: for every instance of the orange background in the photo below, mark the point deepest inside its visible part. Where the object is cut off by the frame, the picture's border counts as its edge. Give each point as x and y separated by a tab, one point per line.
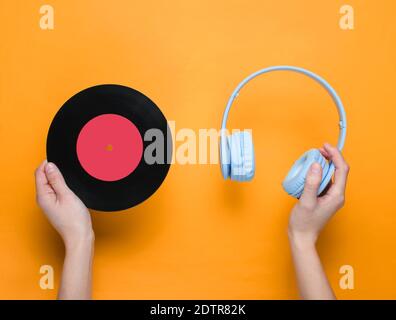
199	236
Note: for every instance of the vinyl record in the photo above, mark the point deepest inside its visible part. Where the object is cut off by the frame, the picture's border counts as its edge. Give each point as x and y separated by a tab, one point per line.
97	139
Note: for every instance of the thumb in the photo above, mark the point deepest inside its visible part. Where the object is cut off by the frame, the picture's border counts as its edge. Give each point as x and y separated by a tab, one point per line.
55	179
312	183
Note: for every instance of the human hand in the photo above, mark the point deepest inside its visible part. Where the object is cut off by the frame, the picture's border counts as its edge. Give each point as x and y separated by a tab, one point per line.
311	213
64	210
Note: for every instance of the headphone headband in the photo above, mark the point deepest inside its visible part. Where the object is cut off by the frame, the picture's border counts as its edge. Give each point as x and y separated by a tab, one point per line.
320	80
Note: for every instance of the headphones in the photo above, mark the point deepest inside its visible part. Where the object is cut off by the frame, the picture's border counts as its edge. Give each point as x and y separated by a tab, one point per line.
237	152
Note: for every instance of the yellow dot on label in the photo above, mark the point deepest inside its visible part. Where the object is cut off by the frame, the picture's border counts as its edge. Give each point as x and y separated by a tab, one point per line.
109	147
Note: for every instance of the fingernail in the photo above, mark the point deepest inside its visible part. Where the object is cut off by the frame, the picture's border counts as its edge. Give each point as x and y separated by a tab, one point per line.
50	167
315	168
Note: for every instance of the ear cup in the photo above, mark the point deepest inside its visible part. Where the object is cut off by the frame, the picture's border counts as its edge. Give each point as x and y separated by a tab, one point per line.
225	157
242	156
326	179
295	179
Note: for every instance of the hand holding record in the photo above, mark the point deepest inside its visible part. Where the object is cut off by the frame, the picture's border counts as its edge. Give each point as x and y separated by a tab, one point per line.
97	141
64	210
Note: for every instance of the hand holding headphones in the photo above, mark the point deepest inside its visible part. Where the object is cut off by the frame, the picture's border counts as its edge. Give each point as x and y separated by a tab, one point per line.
237	152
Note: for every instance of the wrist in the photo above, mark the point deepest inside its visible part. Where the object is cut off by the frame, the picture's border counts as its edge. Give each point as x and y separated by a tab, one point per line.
84	239
302	241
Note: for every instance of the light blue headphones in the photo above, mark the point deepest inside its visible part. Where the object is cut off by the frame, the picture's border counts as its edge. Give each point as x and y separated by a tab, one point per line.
237	153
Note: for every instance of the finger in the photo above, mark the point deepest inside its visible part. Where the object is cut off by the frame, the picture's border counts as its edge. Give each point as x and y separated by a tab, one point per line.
42	186
55	179
324	153
341	168
312	183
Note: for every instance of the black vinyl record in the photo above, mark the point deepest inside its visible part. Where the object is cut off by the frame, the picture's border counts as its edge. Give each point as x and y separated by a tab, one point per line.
103	161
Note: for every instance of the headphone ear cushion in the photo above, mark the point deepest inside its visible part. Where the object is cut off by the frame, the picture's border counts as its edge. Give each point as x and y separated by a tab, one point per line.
242	156
294	182
225	156
249	165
